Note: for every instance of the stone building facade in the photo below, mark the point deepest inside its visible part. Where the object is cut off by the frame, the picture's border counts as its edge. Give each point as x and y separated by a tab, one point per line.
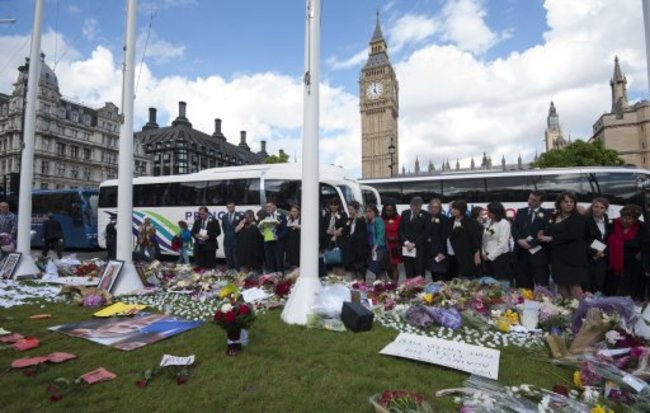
553	133
626	128
75	146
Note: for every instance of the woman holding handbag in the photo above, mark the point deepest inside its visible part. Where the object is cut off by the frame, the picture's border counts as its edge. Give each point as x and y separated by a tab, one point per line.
377	241
393	244
331	239
355	233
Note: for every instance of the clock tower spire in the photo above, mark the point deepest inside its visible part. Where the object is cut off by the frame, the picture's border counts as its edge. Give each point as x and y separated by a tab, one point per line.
379	107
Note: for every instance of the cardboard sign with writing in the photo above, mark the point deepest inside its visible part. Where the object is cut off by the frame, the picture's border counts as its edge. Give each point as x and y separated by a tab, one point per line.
477	360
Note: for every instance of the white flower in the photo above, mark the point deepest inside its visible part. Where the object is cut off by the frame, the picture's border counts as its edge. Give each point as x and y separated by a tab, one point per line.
226	308
574	304
612	336
590	394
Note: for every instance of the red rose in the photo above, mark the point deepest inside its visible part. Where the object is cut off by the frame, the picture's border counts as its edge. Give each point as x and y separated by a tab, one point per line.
218	316
56	397
559	389
230	317
182	379
141	383
244	309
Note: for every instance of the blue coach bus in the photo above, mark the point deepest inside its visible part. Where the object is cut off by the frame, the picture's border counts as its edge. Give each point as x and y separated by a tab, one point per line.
75	209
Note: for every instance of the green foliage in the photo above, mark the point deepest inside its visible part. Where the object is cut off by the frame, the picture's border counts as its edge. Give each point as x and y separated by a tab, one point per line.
284	369
281	158
579	153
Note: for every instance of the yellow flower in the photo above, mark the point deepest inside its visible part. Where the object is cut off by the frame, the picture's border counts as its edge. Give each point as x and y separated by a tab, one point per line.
228	290
577	380
428	298
527	294
504	324
512	316
600	409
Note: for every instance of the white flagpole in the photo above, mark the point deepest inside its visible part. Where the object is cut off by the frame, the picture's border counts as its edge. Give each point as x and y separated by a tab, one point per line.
646	21
27	266
128	279
302	296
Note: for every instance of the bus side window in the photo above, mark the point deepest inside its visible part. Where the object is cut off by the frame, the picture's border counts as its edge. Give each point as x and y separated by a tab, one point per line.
284	192
190	193
554	185
243	191
618	188
425	189
215	193
471	190
507	189
108	197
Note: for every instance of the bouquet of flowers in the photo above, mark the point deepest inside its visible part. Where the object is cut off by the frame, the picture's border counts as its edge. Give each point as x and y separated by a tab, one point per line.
268	228
400	401
234	316
89	269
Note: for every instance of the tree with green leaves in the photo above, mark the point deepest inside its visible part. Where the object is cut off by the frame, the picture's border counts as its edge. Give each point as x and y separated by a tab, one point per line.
281	158
579	153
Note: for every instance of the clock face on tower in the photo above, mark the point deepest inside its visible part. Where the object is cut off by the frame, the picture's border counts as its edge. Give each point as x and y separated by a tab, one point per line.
374	90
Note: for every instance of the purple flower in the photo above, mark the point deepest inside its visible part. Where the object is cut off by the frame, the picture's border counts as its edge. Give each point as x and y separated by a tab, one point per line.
93	300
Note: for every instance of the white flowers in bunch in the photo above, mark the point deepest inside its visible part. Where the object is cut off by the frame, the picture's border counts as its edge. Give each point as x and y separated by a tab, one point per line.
612	336
590	395
226	308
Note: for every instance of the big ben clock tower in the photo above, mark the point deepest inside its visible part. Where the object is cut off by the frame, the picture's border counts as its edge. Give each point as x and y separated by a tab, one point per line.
379	105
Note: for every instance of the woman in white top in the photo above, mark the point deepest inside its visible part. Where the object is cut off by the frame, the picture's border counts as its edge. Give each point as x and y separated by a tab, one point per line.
495	246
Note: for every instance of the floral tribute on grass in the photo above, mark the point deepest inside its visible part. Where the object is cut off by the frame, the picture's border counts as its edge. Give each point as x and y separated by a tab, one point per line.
400	401
233	316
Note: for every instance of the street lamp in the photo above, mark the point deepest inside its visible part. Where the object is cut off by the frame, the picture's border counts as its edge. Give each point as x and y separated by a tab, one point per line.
391	152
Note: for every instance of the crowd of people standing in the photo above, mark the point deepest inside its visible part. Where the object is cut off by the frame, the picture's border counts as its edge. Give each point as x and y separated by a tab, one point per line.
579	250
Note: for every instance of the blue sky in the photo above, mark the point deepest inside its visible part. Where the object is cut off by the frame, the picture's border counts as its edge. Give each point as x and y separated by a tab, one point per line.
475	75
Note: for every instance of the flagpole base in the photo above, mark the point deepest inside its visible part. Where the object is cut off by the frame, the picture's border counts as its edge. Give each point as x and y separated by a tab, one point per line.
301	299
128	281
26	267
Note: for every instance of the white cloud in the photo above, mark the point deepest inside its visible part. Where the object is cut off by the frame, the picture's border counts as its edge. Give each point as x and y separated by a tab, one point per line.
157	49
353	61
411	29
464	26
90	29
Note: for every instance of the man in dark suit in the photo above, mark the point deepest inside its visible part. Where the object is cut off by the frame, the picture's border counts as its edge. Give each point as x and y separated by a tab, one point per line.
229	222
52	236
205	231
274	249
532	259
111	238
413	232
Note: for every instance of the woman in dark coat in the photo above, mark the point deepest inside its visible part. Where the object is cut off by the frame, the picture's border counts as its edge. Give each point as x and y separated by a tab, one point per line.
356	248
292	241
250	244
597	232
331	230
565	233
437	262
465	241
627	241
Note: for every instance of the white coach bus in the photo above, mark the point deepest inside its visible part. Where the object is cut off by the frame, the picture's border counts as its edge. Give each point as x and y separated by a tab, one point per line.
621	185
169	199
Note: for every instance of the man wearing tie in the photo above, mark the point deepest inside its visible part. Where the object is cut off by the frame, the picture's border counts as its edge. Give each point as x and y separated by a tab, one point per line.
532	261
274	249
229	222
205	231
413	232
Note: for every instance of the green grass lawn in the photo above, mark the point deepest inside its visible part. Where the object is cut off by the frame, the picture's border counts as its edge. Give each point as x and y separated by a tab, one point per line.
283	369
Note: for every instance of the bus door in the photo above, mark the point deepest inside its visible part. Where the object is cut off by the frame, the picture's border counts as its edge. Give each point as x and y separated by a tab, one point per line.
370	196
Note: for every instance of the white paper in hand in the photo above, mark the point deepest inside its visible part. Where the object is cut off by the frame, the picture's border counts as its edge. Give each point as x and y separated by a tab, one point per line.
535	250
598	246
407	253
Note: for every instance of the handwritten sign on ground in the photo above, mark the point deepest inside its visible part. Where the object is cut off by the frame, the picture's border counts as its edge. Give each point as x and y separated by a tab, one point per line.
460	356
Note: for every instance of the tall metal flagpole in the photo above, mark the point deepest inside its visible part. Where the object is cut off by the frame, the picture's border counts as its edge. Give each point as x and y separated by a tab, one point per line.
646	21
128	279
27	266
302	296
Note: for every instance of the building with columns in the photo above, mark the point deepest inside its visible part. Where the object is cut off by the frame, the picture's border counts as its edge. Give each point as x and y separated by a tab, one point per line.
379	107
553	134
625	128
75	145
181	149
